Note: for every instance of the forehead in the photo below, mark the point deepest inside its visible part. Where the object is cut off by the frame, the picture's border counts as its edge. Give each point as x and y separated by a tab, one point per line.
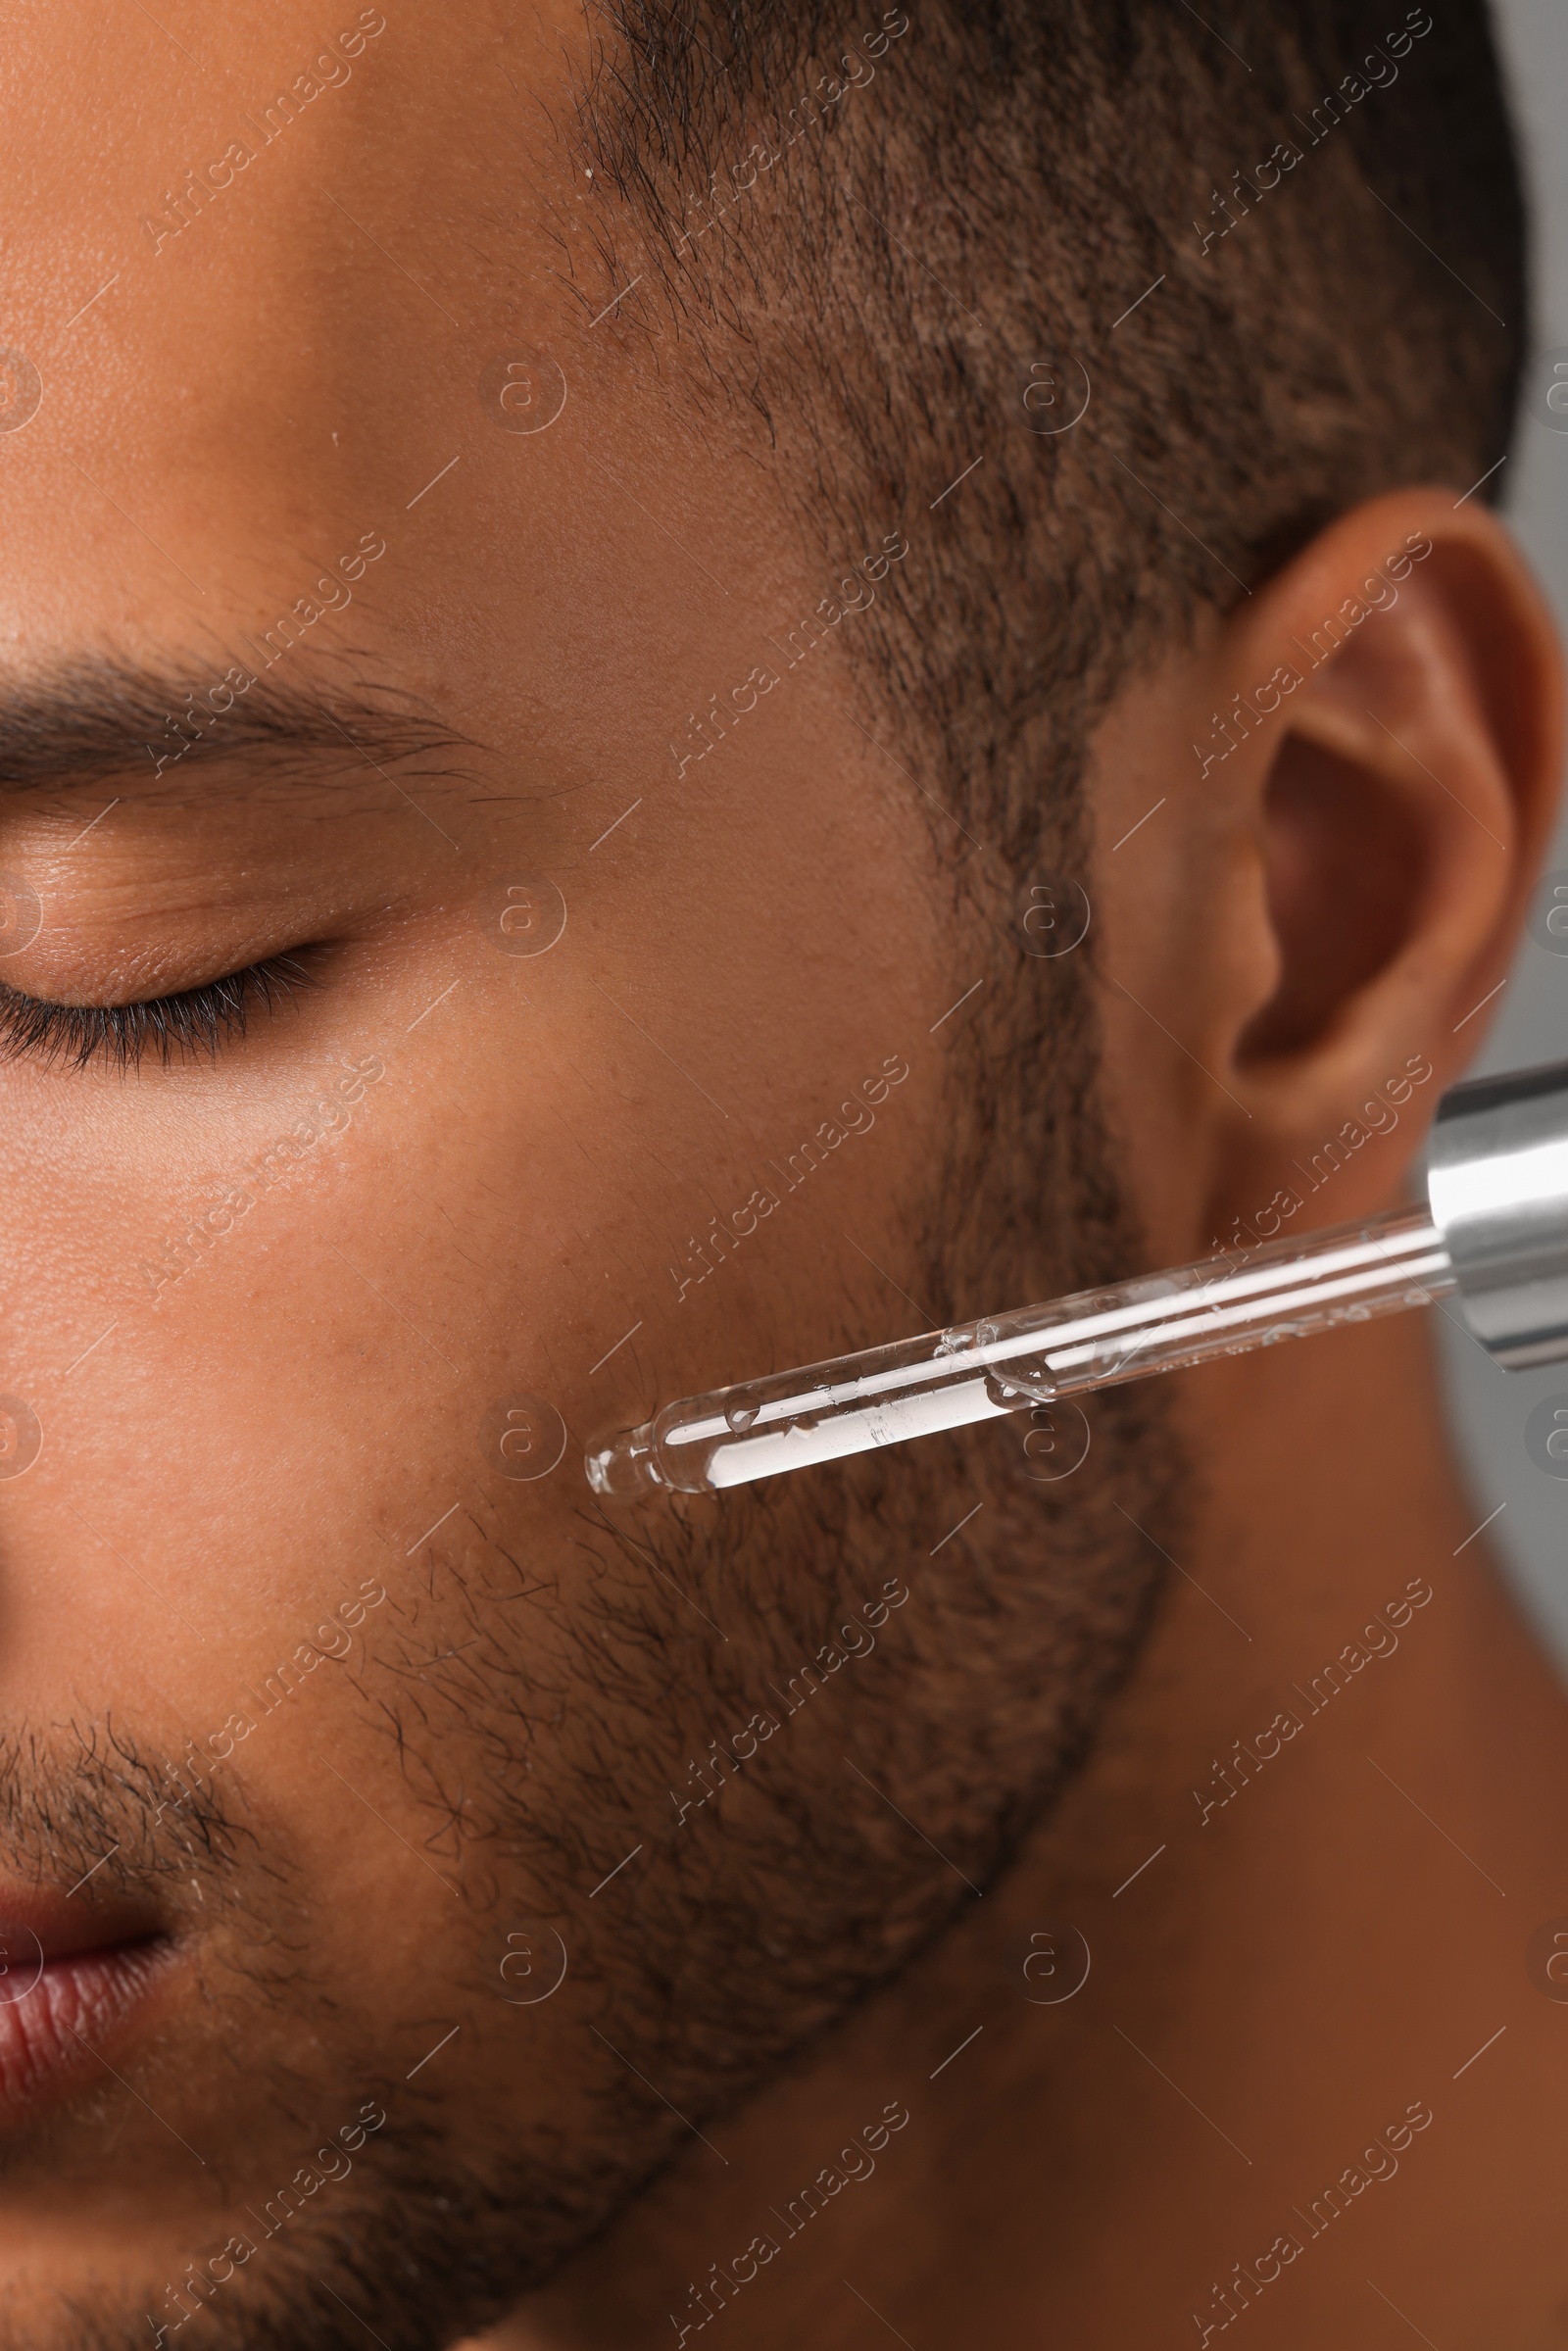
210	172
261	269
285	283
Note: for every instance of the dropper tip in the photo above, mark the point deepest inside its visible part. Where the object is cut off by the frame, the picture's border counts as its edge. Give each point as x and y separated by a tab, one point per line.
626	1467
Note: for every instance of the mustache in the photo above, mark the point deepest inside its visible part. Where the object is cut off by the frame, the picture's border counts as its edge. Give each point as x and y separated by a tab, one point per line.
89	1797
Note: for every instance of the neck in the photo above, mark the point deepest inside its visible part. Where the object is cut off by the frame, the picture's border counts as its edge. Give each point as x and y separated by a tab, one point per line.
1322	1822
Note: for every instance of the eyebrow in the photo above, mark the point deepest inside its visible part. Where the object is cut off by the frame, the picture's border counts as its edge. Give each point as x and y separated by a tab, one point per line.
95	714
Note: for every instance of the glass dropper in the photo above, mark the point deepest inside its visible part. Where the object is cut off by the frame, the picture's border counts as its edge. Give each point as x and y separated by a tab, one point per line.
1494	1229
1036	1356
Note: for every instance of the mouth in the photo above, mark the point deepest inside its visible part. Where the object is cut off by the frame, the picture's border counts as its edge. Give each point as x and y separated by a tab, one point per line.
69	1982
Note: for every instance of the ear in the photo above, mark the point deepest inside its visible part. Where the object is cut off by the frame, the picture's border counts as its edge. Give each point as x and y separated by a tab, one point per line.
1376	739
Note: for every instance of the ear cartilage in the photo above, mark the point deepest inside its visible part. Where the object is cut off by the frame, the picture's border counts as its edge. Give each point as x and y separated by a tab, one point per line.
1494	1230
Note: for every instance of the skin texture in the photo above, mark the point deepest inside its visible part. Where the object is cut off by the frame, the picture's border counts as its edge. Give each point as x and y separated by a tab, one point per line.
294	1416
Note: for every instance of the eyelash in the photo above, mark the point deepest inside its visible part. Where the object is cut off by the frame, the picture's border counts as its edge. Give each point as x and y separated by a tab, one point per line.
193	1021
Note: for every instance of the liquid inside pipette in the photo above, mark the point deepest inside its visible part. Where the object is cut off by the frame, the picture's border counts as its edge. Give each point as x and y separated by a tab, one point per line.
1013	1362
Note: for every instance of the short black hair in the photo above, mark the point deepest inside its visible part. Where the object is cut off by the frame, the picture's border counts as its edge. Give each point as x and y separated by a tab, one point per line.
1283	244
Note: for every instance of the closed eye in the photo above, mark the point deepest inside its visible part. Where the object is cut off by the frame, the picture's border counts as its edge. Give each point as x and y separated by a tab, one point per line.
176	1028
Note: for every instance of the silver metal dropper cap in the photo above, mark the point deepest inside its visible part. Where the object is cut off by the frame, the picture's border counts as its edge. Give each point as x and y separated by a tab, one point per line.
1497	1184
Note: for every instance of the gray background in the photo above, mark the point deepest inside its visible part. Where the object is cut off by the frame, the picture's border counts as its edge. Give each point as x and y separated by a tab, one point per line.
1488	1408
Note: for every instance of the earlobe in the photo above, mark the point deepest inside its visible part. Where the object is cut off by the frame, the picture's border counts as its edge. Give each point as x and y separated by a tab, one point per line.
1402	790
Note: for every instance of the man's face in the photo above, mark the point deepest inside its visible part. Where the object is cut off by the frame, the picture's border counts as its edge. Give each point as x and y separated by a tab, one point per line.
379	589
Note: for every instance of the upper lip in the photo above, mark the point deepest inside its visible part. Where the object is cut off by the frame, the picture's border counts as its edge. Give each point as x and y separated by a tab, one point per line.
63	1923
99	1959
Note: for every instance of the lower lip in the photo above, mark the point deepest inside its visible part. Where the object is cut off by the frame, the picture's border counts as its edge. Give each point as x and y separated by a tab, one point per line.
57	2026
